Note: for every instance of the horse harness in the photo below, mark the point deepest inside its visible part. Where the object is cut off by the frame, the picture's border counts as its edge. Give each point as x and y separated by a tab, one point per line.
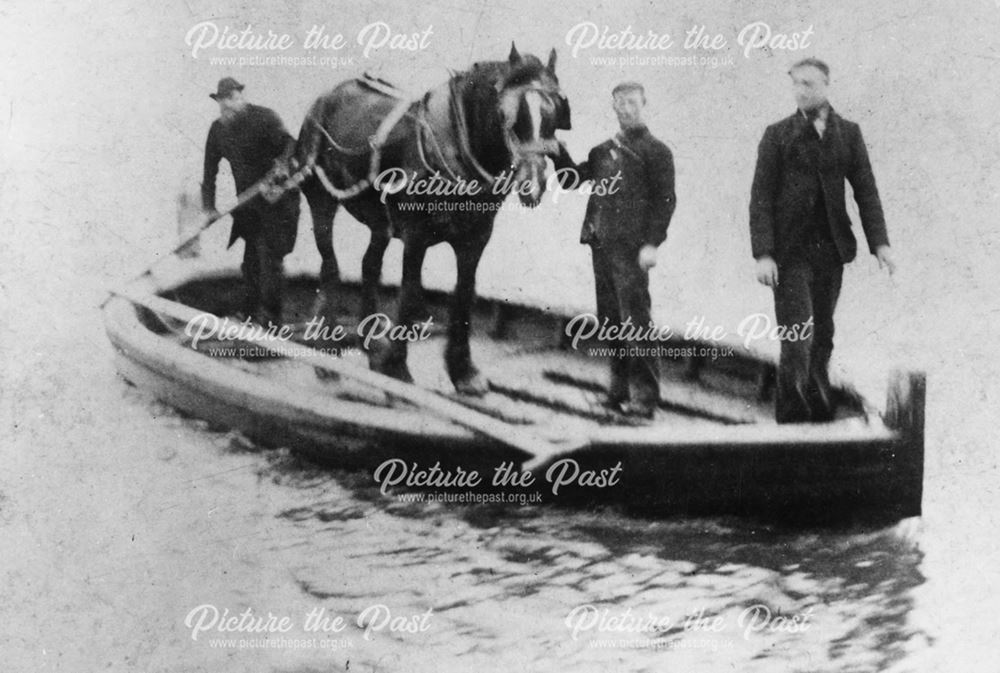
427	143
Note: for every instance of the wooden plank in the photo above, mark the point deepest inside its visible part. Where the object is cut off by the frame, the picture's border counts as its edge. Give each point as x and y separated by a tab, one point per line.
669	398
504	433
259	395
904	412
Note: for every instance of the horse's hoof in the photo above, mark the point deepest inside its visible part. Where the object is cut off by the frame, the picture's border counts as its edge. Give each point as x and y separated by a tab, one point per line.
393	368
400	373
475	385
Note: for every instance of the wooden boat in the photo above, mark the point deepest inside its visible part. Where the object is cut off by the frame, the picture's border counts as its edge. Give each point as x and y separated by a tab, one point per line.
712	447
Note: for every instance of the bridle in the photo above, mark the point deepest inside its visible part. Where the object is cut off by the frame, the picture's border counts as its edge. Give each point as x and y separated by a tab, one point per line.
428	146
521	150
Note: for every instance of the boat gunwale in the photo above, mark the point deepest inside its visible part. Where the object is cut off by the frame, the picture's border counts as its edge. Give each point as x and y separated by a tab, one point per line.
288	402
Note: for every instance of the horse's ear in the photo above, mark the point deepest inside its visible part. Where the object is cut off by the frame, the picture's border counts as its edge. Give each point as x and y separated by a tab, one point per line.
552	61
514	57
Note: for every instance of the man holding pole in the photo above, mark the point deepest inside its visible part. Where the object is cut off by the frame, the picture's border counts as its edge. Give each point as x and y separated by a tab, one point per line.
251	138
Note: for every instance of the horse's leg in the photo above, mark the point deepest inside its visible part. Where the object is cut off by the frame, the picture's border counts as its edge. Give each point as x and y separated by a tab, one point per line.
458	357
392	359
323	208
371	270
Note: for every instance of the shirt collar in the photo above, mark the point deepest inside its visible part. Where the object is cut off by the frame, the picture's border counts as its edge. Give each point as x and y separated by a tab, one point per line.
823	112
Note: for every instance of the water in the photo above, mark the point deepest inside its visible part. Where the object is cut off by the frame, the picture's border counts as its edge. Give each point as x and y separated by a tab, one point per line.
118	517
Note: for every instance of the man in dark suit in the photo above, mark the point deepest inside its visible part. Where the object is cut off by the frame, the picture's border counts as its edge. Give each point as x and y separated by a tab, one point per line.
801	234
251	138
623	228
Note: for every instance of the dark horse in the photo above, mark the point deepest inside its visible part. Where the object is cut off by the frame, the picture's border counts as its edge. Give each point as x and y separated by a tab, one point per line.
429	171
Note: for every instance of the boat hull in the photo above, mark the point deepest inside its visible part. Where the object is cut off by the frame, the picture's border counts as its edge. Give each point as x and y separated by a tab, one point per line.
857	467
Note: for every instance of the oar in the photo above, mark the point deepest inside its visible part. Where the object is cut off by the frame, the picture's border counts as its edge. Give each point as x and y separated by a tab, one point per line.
262	186
510	435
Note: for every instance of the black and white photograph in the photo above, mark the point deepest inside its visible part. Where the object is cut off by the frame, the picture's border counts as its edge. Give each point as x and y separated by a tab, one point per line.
497	335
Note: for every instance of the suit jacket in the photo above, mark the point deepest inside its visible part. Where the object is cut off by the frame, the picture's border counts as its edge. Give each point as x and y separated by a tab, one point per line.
251	142
795	170
639	211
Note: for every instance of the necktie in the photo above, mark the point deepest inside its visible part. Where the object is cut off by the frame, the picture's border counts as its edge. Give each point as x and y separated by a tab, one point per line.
817	120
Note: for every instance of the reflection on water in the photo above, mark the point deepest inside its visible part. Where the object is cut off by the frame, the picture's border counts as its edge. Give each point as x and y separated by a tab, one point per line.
578	590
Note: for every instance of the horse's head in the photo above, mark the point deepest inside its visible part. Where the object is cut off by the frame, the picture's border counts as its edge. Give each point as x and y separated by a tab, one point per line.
531	108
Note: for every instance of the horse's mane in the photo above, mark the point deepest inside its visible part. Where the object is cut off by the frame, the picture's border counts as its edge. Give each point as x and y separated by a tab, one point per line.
528	69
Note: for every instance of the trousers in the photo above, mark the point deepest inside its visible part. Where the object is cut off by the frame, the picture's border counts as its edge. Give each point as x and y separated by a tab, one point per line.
808	288
623	293
262	279
268	233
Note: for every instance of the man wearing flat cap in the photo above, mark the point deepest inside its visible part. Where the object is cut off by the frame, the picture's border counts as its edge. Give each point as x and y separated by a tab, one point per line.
801	234
251	137
624	227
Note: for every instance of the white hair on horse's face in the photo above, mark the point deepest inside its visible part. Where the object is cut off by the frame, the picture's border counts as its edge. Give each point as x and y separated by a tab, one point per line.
536	100
533	100
528	112
509	103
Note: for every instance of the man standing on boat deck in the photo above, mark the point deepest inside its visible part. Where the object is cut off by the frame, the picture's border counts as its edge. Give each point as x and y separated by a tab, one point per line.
801	234
251	138
624	228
